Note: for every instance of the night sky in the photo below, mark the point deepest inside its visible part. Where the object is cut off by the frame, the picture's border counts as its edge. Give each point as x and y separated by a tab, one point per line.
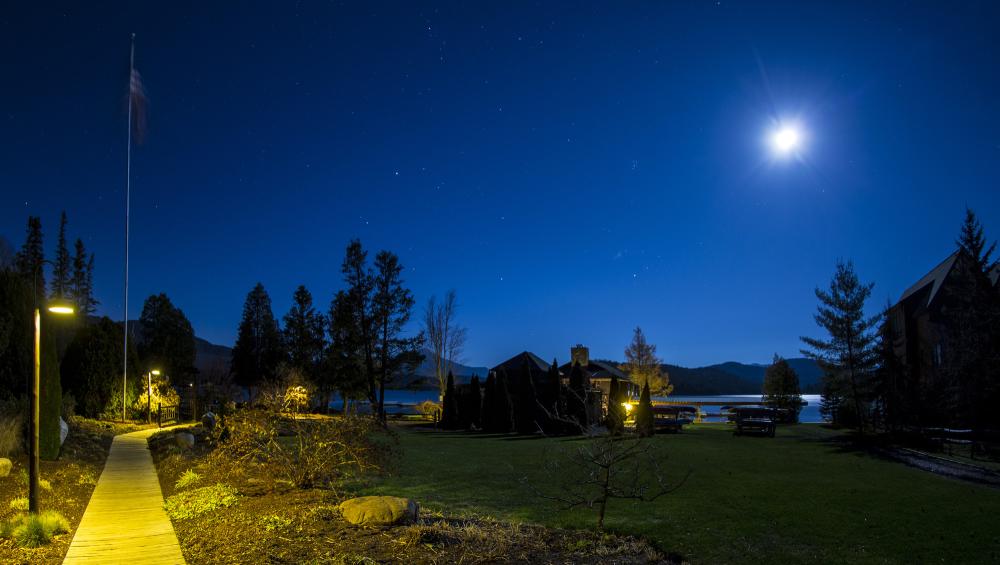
572	170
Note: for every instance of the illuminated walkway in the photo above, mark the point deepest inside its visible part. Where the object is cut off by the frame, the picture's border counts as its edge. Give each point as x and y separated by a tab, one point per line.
124	521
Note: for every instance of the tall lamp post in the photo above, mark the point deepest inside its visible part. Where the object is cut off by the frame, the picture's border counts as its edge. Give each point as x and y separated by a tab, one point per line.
56	307
149	394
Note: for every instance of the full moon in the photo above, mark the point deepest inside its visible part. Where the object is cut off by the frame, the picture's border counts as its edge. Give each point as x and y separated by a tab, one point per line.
785	140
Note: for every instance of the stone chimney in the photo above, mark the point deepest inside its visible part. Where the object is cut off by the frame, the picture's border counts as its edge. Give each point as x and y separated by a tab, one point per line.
579	354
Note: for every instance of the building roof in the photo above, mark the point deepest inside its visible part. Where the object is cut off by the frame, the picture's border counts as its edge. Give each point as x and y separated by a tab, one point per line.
516	362
597	370
933	279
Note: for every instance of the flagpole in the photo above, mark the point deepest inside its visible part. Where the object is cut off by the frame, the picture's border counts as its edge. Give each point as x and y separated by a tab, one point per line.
128	193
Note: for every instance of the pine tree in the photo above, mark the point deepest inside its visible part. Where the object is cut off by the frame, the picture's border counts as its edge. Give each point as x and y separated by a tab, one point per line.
578	395
615	419
781	389
489	403
502	417
525	403
50	394
303	334
360	281
258	350
849	357
345	358
392	306
554	400
473	405
970	358
81	282
61	272
166	339
973	242
31	257
644	425
449	409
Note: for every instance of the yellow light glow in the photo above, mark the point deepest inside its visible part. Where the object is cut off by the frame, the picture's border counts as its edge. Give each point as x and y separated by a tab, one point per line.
155	372
61	309
628	406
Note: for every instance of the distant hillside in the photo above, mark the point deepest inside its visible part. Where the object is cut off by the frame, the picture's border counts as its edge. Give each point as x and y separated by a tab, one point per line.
424	376
733	377
209	357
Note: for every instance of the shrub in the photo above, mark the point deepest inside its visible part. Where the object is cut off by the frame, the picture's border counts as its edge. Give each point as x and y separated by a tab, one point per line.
10	435
33	530
274	522
44	484
430	409
187	479
19	504
195	502
313	453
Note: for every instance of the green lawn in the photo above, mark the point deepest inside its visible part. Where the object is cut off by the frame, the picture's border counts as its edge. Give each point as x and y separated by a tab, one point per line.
801	497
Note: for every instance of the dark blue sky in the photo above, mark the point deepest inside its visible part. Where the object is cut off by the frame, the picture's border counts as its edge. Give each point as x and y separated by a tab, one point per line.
572	170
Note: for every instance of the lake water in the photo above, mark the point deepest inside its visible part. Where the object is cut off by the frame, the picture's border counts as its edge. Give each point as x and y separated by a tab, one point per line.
810	412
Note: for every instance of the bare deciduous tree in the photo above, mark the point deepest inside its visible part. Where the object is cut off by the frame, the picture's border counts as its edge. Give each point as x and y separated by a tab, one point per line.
444	335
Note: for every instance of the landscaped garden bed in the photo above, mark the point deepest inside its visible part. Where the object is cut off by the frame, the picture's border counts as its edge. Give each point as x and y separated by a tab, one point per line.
250	512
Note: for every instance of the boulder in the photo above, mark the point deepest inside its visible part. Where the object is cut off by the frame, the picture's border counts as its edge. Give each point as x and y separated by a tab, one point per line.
63	430
379	510
184	439
5	466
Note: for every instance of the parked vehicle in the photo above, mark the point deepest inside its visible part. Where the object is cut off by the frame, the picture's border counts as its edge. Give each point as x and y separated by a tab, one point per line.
672	418
757	420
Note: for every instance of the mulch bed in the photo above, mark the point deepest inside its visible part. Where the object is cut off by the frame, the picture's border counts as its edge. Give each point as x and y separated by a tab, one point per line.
72	477
290	525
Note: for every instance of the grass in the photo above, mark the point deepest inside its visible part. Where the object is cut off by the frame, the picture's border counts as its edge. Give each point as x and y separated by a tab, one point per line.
803	497
189	504
34	530
187	479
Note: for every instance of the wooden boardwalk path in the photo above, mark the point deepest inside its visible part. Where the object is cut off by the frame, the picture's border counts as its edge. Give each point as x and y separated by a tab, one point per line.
124	521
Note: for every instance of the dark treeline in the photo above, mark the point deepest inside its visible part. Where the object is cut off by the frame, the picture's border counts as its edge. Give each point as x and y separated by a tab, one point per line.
81	355
353	350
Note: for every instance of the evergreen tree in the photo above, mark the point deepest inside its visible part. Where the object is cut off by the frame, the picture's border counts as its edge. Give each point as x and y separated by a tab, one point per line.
615	419
849	357
16	334
81	283
972	241
970	348
525	403
92	369
166	339
577	400
489	402
781	390
502	417
7	255
49	392
304	334
553	400
258	350
392	306
449	410
31	257
360	281
644	425
473	405
345	357
61	272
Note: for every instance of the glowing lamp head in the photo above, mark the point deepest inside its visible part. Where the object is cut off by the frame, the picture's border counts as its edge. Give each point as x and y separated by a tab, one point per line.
628	406
59	307
155	372
786	140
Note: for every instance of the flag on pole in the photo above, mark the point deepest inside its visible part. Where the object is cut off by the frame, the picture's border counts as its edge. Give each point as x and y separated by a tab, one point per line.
137	101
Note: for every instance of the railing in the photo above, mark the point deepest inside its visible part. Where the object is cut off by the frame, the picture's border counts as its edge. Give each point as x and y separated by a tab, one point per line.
166	414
